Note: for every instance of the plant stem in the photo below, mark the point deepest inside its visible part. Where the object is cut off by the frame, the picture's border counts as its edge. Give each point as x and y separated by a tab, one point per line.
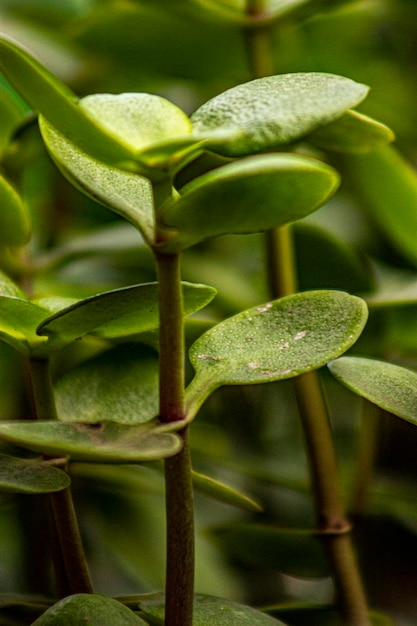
368	447
71	569
179	588
258	42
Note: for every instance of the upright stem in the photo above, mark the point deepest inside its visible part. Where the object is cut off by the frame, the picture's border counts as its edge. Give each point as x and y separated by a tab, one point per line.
69	559
179	588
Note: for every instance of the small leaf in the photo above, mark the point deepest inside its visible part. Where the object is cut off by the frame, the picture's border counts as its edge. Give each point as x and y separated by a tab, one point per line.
9	288
119	385
294	552
389	386
18	321
224	493
267	112
259	192
275	341
15	227
29	476
90	609
118	313
353	132
210	611
97	443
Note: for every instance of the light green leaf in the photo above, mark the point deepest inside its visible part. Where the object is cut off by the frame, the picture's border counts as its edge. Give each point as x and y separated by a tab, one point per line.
224	493
387	186
353	132
30	476
274	341
96	443
15	228
90	609
267	112
209	610
118	313
251	195
293	551
389	386
18	321
119	385
9	288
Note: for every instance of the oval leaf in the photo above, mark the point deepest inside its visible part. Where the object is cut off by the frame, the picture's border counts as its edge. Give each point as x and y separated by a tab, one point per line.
18	321
389	386
90	609
259	192
209	610
98	443
28	476
14	218
119	385
118	313
275	341
267	112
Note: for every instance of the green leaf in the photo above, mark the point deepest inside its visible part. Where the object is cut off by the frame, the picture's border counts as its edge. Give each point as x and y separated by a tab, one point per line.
260	193
90	609
293	551
353	132
209	610
267	112
15	228
118	313
18	321
275	341
389	386
387	187
224	493
30	476
9	288
97	443
119	385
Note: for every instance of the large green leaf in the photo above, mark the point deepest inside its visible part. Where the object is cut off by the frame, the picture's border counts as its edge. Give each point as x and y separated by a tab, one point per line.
97	443
391	387
119	385
251	195
387	185
15	226
267	112
30	476
295	552
90	609
275	341
120	312
209	610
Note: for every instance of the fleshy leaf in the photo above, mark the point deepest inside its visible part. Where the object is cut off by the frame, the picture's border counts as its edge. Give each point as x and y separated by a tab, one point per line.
223	493
267	112
97	443
353	132
387	184
209	610
293	551
391	387
90	609
9	288
251	195
120	312
274	341
119	385
18	321
29	476
14	217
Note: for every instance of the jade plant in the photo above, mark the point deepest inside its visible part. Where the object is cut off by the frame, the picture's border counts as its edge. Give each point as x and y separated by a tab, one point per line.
256	158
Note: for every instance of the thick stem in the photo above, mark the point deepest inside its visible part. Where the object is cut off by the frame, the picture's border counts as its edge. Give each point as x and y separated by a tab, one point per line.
179	589
69	559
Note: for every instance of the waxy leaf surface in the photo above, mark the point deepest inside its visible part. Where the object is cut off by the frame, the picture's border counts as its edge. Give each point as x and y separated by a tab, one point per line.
251	195
97	443
28	476
14	218
275	341
389	386
268	112
209	610
90	609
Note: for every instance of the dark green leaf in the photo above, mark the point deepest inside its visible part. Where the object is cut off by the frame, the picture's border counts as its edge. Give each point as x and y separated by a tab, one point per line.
267	112
389	386
106	442
275	341
259	192
28	476
90	609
